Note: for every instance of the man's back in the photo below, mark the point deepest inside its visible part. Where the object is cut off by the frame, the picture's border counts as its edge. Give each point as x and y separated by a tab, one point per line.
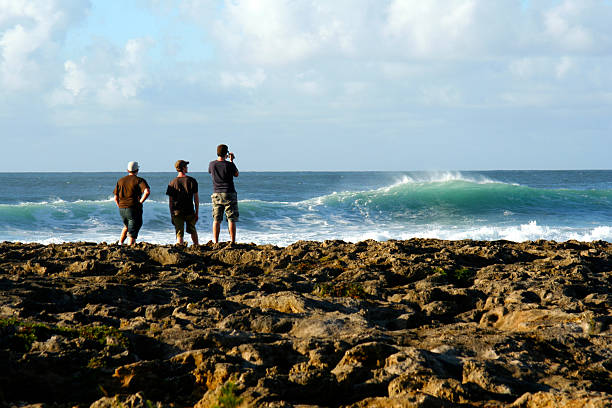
129	189
181	191
223	173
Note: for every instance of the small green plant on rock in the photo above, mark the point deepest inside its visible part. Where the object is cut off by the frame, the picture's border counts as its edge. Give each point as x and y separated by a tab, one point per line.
104	335
227	397
438	269
21	334
462	276
340	289
96	362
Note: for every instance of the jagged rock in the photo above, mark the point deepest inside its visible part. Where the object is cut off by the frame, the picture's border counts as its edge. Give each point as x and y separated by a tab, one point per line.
166	256
129	401
418	323
358	363
562	400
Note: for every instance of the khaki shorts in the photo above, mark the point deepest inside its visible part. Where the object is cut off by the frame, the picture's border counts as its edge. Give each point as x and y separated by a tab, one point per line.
179	222
225	202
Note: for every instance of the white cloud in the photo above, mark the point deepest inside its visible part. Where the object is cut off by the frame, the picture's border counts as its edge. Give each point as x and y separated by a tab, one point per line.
427	27
523	67
111	77
242	79
563	67
540	68
312	88
441	95
31	33
543	68
353	88
563	25
277	32
535	98
75	79
266	31
400	70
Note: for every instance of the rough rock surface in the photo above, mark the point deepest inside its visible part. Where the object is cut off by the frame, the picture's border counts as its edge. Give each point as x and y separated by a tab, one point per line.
418	323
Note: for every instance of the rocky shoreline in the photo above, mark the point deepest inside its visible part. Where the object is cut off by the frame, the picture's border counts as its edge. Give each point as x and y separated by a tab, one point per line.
417	323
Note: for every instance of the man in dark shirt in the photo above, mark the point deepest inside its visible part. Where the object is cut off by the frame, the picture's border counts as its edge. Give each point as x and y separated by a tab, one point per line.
130	192
183	194
224	197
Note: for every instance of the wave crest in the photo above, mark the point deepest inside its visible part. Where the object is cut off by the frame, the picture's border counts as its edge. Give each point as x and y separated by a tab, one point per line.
444	177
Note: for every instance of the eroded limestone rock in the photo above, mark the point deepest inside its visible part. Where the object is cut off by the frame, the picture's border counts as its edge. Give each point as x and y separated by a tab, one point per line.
418	323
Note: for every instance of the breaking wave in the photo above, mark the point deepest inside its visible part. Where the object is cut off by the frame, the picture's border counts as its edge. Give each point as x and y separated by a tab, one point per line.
437	205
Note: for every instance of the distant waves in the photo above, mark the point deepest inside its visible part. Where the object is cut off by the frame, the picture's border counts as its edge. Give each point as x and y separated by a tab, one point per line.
333	206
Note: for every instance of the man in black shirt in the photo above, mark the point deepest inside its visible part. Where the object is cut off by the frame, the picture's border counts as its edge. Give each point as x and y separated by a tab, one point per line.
183	193
224	197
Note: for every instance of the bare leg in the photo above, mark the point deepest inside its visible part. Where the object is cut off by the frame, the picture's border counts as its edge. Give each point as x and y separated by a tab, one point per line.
131	241
194	238
179	240
231	226
216	231
123	235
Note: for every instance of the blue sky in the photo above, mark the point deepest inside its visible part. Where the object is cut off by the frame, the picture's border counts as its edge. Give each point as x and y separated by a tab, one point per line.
306	84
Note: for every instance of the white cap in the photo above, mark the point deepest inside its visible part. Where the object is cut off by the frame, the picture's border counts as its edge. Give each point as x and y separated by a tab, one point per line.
132	166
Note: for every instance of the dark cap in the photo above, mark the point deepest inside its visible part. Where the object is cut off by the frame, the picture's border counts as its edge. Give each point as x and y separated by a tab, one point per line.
180	164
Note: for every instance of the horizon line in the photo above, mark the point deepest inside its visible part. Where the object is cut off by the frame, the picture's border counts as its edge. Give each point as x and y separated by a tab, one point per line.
303	171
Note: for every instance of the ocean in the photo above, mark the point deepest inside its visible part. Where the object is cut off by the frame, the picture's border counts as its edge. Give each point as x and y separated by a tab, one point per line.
283	207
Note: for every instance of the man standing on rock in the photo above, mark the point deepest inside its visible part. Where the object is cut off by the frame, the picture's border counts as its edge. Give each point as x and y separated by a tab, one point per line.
183	194
224	197
130	193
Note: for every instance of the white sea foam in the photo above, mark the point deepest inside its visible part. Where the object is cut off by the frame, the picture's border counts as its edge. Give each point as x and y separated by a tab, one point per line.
55	202
444	177
596	234
279	234
525	232
108	200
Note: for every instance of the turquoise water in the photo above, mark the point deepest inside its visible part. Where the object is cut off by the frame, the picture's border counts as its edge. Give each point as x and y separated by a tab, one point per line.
281	208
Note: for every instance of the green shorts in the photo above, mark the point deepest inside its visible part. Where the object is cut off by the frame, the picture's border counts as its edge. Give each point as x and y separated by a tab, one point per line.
225	202
179	221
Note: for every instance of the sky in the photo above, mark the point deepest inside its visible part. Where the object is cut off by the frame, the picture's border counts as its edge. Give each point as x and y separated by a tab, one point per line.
306	85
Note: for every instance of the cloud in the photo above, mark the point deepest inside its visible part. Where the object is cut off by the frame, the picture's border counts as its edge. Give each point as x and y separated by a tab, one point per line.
243	80
110	77
367	65
428	27
563	25
31	35
266	32
541	68
441	96
283	32
563	67
273	32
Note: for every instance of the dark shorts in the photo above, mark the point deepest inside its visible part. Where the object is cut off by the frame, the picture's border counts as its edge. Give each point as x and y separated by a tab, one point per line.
225	203
179	221
132	219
